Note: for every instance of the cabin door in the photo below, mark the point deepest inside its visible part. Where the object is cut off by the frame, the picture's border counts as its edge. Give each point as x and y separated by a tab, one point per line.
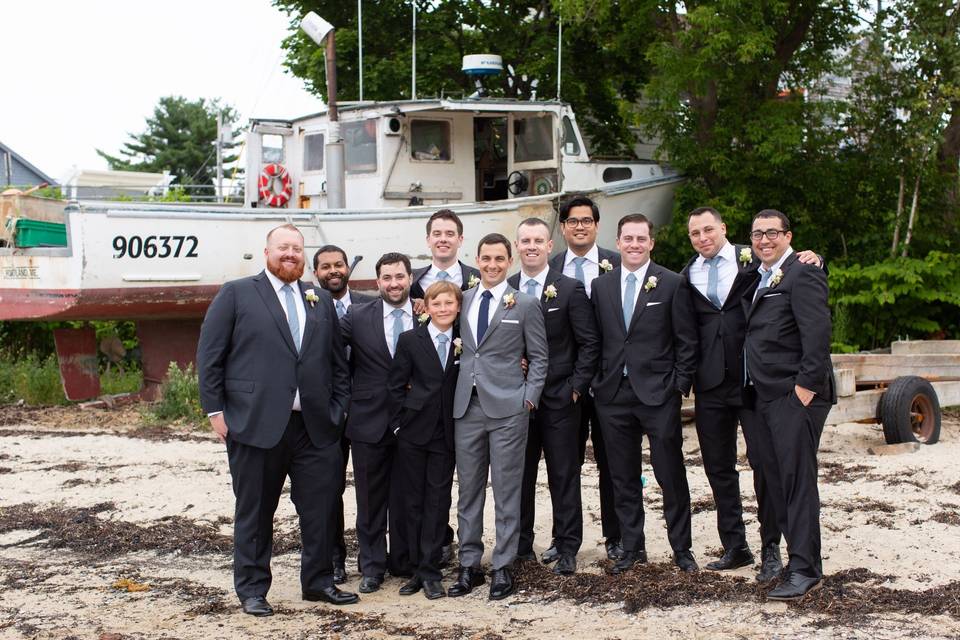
490	157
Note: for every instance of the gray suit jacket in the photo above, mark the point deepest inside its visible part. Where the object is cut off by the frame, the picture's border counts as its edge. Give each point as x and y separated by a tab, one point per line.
494	364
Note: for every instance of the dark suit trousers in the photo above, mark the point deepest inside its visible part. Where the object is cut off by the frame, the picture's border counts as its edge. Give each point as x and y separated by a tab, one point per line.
590	428
258	476
339	543
427	472
625	421
718	412
379	497
555	433
789	436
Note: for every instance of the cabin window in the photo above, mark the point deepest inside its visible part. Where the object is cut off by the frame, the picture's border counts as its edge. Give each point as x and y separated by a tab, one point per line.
571	146
615	174
430	140
313	152
533	139
271	148
360	145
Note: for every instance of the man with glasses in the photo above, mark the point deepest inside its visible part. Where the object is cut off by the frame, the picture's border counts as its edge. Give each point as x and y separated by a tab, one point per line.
789	381
585	261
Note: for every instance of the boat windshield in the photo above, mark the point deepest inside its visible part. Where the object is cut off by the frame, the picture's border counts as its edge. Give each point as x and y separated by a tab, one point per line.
533	139
360	145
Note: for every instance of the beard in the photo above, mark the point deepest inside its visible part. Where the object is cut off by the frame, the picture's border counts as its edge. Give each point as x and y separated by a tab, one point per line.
335	288
286	271
402	297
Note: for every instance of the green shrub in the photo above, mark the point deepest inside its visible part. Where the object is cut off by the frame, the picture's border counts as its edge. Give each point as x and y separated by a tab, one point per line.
31	379
114	382
179	397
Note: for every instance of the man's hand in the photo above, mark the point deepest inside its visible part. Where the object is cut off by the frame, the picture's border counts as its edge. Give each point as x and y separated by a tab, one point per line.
524	365
804	394
575	397
219	426
530	406
809	257
418	306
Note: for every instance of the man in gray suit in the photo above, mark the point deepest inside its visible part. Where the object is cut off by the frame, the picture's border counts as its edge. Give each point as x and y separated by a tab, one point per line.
498	326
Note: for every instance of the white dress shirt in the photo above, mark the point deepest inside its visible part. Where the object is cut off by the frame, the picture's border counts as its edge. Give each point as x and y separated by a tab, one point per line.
777	264
540	279
591	268
434	332
641	274
277	284
474	313
407	320
726	272
454	271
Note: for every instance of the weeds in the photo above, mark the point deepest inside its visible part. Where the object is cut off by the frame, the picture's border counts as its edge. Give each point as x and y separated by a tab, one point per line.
179	397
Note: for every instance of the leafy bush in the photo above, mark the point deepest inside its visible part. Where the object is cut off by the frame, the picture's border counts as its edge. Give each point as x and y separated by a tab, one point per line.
896	298
179	397
116	382
31	379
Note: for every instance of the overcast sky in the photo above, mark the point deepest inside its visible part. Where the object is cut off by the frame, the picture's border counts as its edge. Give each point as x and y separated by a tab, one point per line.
80	75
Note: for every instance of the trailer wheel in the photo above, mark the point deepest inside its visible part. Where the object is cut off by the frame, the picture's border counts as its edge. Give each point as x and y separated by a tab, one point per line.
910	411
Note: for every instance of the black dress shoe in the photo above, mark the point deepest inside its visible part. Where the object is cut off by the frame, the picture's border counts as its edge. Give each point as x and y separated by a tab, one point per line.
628	560
411	587
615	549
468	578
446	555
794	587
684	560
369	584
331	595
551	554
339	574
566	565
771	565
256	606
732	559
433	589
501	584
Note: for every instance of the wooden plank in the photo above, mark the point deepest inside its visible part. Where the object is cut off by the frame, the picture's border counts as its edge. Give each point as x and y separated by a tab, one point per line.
874	367
846	382
855	408
911	347
948	393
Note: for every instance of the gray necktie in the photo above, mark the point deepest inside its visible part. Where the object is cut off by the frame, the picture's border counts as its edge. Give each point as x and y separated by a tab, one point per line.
443	275
713	275
397	326
341	309
532	288
628	303
293	320
442	349
578	270
764	281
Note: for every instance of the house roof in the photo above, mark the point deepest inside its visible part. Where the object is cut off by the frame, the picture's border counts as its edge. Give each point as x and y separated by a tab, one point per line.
5	149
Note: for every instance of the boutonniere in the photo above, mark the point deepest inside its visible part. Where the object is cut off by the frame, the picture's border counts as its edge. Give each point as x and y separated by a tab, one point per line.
457	346
550	292
473	281
509	301
311	297
423	318
746	256
605	265
776	278
651	283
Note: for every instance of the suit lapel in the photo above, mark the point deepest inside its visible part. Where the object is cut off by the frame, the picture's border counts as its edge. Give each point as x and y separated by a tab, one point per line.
497	315
759	296
265	289
616	297
465	329
426	343
652	270
311	324
380	335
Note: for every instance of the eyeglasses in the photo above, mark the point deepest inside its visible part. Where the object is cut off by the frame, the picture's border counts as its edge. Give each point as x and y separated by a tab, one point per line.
770	233
586	223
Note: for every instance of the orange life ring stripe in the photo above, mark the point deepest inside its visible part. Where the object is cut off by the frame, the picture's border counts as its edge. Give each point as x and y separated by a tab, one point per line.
268	177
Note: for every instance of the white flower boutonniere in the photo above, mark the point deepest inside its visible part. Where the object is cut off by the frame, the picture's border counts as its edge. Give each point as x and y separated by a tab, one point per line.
509	301
550	292
473	281
311	297
746	255
423	318
651	283
605	265
457	346
776	278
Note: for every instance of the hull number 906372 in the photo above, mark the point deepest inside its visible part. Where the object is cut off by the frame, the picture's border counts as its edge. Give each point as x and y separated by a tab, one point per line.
155	247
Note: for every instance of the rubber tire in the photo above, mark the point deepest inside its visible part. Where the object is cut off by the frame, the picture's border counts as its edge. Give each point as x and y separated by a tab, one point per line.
895	407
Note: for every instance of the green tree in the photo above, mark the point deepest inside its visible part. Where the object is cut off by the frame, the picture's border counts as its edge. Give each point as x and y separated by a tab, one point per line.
179	138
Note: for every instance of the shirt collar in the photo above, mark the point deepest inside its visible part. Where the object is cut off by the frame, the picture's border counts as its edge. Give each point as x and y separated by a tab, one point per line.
592	256
640	273
541	278
452	271
388	308
778	263
278	283
434	332
497	291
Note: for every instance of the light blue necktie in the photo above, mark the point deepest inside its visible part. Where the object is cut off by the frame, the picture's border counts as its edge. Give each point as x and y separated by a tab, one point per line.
764	281
397	326
341	309
532	288
293	320
442	349
713	275
628	303
443	275
578	270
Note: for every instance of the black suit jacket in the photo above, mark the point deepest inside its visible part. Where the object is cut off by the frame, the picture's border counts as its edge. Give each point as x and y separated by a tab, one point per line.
788	334
416	291
572	339
659	348
722	331
361	298
370	361
250	369
421	391
556	262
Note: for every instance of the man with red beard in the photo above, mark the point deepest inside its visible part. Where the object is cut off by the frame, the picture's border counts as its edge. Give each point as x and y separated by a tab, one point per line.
275	385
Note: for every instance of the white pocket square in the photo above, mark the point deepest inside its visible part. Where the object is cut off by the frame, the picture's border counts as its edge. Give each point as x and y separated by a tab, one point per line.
554	309
512	321
456	362
771	295
650	304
